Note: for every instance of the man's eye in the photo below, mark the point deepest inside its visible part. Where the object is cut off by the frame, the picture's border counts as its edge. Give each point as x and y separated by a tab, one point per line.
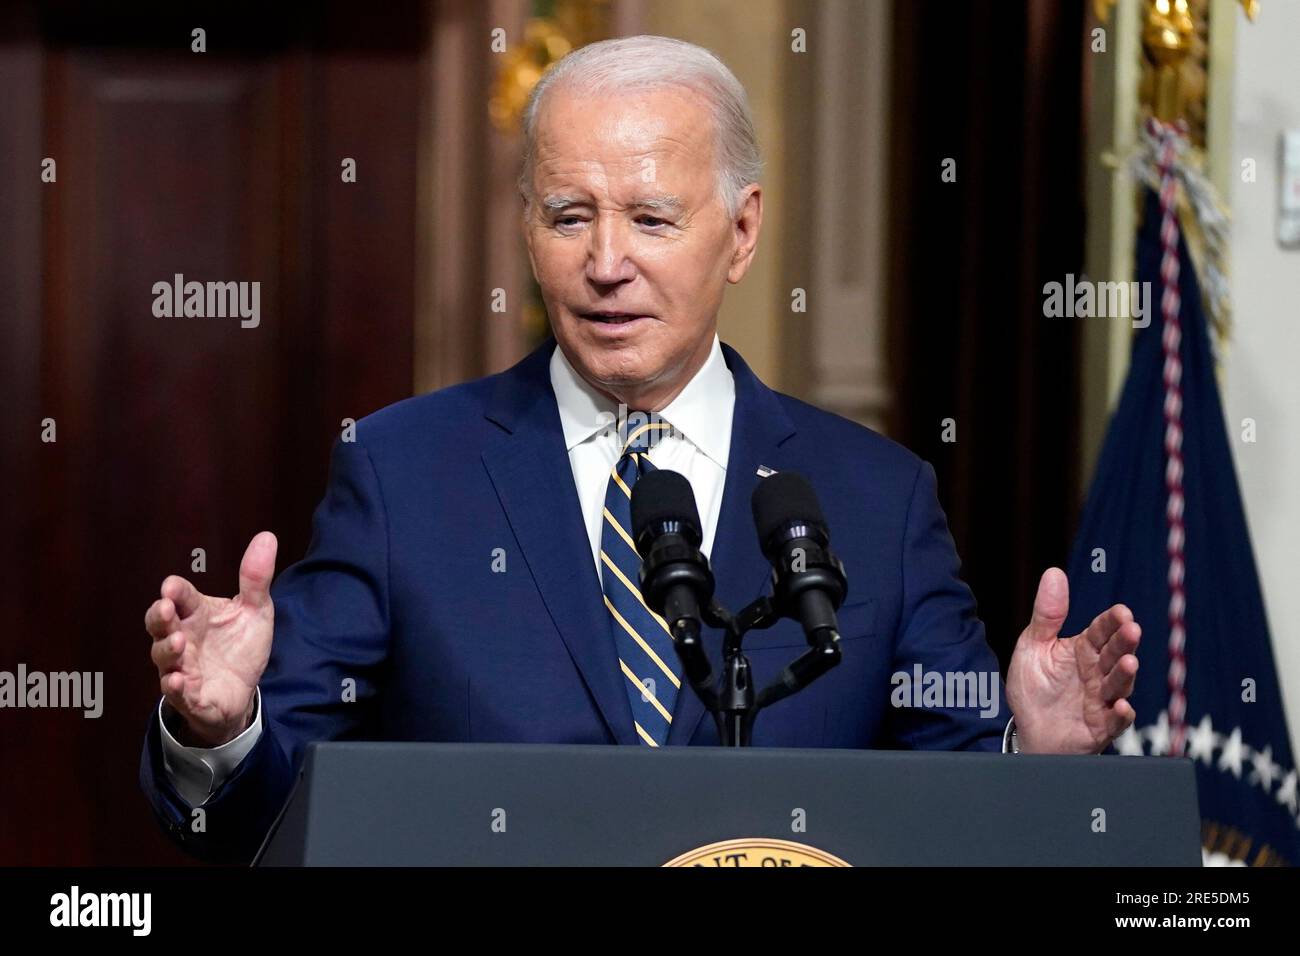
566	220
652	221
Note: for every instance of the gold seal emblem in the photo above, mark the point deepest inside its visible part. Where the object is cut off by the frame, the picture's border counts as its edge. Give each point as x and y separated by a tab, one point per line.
757	851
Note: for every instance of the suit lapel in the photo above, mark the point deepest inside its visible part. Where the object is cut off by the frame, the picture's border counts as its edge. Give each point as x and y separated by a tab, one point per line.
529	468
759	425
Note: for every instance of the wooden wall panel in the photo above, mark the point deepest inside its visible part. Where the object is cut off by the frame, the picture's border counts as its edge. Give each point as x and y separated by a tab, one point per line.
178	433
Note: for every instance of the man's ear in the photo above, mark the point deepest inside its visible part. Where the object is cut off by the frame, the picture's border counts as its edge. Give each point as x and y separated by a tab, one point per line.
528	239
748	222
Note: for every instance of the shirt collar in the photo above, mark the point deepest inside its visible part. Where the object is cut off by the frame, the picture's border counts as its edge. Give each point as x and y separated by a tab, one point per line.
701	412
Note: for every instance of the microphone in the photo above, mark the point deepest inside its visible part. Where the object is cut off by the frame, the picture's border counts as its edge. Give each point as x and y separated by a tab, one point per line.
808	582
675	577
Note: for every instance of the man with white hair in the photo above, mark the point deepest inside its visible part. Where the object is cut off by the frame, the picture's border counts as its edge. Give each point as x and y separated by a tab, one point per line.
472	577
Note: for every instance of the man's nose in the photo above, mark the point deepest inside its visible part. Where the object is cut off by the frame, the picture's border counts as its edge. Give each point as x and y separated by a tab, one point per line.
608	258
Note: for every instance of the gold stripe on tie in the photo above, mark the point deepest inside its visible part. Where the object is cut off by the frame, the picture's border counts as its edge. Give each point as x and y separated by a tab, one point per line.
650	651
635	591
619	528
644	736
613	473
644	428
645	691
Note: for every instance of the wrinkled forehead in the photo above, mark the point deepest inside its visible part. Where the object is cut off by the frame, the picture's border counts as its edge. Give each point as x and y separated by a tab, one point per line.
640	137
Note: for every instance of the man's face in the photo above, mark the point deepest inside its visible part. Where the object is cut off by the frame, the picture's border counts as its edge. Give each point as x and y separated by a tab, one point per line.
629	239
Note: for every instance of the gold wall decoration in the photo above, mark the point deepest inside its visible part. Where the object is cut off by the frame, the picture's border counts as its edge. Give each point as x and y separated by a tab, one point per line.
1173	67
1175	49
1173	87
557	27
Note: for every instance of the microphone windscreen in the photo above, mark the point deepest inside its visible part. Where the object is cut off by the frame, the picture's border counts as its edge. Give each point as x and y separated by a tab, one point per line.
782	499
662	495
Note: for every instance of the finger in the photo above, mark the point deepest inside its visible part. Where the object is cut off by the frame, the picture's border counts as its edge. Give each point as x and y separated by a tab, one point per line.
256	570
1105	624
160	620
171	685
166	654
1123	641
1120	718
1120	681
184	595
1051	604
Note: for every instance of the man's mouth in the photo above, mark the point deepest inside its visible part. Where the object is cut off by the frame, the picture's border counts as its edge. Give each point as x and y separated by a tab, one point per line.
613	318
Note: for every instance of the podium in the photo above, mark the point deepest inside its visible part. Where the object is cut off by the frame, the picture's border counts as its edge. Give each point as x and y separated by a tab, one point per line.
421	804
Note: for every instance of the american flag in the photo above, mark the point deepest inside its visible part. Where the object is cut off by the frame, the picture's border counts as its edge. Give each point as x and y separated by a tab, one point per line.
1164	532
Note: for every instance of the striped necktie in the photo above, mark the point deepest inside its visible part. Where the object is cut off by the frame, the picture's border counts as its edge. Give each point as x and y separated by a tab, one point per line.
646	654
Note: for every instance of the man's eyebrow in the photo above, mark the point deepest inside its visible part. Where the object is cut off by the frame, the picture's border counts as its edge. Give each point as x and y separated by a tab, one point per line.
554	203
662	202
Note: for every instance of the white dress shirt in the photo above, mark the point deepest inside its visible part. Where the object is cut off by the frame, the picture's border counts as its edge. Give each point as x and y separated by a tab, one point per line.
696	446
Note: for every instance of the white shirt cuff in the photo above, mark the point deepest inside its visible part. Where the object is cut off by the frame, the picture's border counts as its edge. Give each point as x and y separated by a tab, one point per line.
197	772
1009	744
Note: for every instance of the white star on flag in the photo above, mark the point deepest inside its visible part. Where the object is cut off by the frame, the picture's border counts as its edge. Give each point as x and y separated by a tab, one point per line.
1129	743
1286	794
1202	741
1263	768
1233	753
1158	735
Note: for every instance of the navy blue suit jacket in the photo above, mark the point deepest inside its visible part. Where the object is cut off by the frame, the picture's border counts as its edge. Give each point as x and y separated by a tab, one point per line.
398	593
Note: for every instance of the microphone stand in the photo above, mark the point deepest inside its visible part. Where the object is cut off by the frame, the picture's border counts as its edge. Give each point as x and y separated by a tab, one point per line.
734	703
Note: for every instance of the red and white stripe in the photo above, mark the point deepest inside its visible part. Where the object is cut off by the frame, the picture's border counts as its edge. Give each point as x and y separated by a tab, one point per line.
1171	340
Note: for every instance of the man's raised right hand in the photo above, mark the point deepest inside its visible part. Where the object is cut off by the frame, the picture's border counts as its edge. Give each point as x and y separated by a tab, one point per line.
211	651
